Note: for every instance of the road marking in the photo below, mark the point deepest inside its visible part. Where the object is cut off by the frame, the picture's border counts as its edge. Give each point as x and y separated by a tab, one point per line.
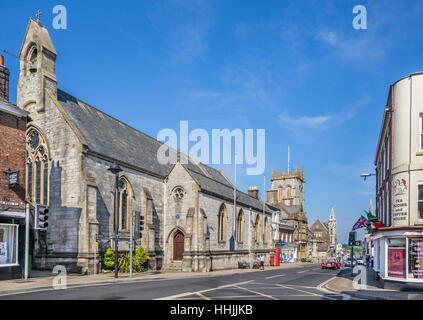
203	296
202	291
302	271
303	291
279	275
256	292
323	287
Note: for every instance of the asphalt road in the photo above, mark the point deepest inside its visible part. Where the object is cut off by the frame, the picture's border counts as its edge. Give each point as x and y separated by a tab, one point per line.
298	283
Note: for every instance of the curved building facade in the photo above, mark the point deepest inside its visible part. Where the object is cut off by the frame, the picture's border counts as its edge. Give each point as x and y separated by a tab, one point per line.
398	246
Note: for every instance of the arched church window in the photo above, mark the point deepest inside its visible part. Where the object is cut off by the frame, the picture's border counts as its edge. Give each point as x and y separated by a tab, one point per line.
32	60
266	226
257	230
240	227
125	203
222	223
37	168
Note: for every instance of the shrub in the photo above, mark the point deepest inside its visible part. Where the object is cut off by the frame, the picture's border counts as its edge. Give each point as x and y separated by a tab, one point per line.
139	260
109	259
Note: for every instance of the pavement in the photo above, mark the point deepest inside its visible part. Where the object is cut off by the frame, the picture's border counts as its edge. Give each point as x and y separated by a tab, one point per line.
346	283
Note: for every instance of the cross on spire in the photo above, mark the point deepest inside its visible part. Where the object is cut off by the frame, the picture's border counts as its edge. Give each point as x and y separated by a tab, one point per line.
38	15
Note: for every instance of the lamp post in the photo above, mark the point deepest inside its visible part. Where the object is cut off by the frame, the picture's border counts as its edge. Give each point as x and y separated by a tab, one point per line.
115	169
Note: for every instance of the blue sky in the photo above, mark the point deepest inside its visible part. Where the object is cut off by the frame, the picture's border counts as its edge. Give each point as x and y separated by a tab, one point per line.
295	68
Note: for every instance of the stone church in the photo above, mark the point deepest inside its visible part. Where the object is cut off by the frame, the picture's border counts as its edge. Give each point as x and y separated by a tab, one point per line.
190	220
324	238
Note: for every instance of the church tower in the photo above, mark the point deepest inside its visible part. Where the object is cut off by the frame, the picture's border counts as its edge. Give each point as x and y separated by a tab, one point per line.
332	230
287	188
37	67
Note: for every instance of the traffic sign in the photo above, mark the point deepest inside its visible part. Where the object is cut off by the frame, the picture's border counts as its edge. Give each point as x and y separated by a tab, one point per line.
95	244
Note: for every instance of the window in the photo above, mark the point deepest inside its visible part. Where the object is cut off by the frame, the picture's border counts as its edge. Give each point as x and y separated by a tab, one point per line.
415	258
421	132
240	227
178	193
420	202
37	166
396	257
125	203
266	226
222	223
8	244
257	230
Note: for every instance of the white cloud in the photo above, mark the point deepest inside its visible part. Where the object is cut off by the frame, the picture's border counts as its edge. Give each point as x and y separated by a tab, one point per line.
317	121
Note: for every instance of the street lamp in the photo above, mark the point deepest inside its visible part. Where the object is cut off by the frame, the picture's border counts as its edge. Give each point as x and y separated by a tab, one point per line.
115	169
365	175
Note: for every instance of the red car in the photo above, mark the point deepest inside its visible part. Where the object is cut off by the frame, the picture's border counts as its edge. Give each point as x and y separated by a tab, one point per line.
331	264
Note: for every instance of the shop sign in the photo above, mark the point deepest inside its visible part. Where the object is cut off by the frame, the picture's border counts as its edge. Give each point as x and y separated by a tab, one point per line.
12	177
400	201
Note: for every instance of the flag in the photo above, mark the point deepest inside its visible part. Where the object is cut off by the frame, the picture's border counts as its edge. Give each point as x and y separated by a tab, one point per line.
361	223
375	222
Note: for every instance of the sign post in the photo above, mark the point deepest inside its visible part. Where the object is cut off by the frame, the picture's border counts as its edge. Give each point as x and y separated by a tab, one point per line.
95	245
130	245
26	241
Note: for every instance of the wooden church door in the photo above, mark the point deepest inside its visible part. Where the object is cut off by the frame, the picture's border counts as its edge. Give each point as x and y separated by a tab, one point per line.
178	246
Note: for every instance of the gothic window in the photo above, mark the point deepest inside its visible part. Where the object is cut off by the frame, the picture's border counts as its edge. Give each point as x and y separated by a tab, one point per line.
32	60
266	226
37	168
257	230
125	203
221	223
240	227
178	193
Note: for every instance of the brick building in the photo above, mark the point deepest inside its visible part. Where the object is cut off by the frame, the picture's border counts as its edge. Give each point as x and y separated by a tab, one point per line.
12	178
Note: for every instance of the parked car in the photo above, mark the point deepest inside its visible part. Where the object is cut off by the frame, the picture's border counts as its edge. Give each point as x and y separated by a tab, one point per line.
349	264
360	261
331	264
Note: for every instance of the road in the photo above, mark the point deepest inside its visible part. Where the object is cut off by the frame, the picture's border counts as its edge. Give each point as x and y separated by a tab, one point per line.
305	282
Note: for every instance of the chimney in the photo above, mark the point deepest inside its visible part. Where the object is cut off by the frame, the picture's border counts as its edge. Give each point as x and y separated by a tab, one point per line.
4	81
253	192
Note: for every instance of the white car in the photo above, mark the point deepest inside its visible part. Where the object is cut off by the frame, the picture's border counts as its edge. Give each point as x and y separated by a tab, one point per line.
360	261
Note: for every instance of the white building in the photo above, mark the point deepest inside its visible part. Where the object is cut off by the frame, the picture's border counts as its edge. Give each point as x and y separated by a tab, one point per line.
398	247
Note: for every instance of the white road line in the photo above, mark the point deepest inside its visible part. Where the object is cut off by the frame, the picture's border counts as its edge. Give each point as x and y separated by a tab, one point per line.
202	291
302	271
323	287
279	275
303	291
258	293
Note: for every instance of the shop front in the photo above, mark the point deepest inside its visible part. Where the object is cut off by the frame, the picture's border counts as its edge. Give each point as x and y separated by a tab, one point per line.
12	240
9	239
399	254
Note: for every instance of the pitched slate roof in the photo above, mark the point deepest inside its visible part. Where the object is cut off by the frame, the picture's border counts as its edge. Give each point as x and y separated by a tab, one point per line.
109	137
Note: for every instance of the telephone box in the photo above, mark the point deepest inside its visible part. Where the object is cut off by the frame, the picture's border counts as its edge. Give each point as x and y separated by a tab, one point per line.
278	256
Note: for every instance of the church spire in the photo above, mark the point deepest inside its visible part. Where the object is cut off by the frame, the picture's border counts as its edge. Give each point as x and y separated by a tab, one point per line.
371	207
332	214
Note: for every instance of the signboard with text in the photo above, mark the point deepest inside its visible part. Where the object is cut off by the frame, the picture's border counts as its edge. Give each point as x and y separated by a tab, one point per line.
400	200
